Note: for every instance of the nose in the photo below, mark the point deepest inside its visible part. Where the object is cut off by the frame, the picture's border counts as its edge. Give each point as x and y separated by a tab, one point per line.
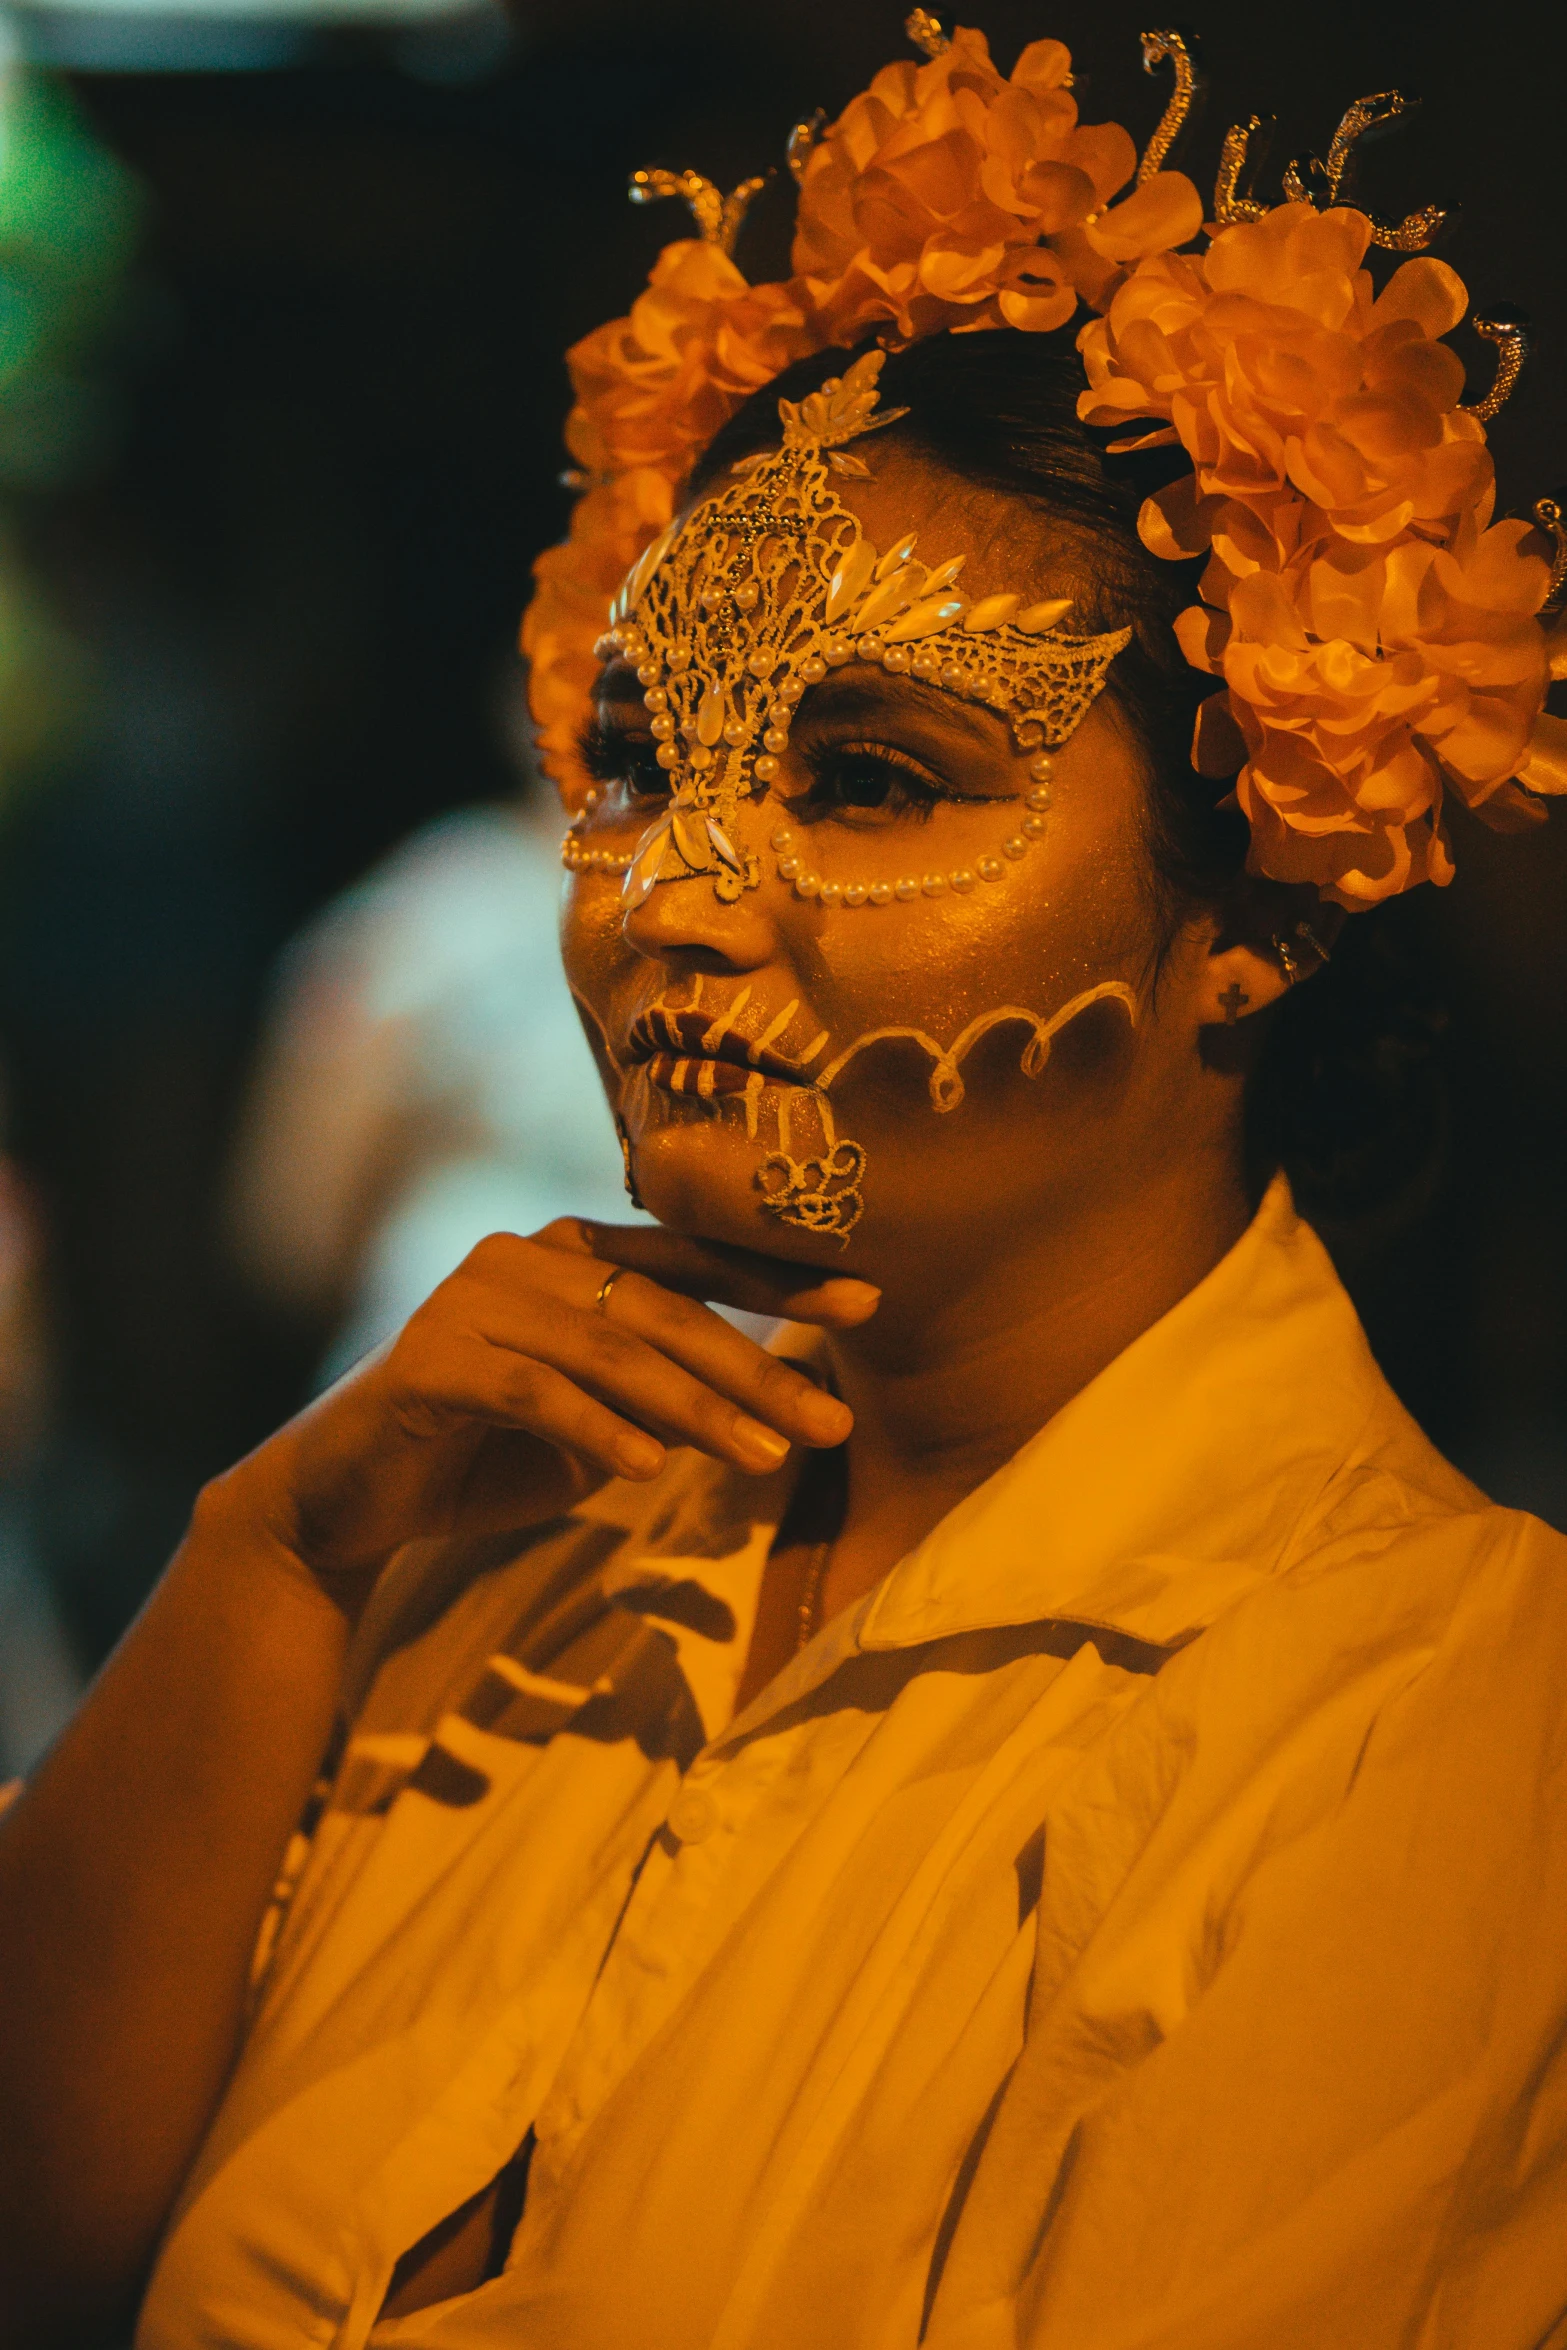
686	922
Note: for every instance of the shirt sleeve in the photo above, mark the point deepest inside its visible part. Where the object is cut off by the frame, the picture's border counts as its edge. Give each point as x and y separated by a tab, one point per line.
1355	2132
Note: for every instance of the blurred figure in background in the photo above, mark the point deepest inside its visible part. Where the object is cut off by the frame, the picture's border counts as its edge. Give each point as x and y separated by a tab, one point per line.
423	1078
68	218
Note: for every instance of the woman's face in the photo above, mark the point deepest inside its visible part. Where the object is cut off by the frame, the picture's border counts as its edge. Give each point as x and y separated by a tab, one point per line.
741	1042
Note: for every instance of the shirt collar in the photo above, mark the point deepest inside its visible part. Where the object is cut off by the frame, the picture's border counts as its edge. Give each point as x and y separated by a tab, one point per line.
1170	1485
1161	1494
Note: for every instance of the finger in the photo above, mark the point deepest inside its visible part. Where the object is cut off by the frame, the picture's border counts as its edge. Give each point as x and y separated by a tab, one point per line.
772	1390
644	1382
713	1270
494	1384
551	1303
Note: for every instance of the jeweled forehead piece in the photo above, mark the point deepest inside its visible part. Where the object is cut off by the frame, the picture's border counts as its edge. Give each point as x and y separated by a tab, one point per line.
744	604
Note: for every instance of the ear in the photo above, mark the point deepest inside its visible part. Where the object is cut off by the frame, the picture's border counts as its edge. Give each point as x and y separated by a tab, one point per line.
1266	944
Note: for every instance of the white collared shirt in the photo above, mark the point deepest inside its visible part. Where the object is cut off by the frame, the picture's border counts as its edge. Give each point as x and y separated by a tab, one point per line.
1127	1928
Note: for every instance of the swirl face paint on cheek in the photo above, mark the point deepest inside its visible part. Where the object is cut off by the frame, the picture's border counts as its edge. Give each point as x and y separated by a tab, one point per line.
692	1051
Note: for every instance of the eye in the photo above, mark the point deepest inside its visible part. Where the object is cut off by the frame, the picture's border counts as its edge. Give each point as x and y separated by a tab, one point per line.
872	778
628	761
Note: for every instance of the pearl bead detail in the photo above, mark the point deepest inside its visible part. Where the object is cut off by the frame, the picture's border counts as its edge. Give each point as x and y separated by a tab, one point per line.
578	859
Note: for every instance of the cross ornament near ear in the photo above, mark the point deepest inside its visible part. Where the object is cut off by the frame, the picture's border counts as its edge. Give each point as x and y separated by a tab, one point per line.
1231	1001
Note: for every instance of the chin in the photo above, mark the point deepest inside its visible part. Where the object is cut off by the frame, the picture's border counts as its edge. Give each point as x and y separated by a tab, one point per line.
699	1176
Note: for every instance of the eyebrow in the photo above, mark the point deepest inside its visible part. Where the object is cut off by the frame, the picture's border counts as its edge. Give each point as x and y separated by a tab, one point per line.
839	696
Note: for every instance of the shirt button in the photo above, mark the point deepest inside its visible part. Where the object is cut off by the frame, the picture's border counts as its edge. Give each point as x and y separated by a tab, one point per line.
692	1815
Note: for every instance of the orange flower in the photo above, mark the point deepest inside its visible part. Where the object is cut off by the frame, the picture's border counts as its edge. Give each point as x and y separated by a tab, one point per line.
574	585
1364	682
1377	638
652	389
948	195
1286	380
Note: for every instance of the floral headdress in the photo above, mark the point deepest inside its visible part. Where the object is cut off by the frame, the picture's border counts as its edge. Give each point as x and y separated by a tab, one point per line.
1378	633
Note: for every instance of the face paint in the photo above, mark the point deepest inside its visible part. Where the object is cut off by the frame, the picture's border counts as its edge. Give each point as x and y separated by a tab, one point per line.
699	1051
737	609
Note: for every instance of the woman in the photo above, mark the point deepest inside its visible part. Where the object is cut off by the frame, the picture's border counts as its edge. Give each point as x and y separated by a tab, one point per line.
1025	1815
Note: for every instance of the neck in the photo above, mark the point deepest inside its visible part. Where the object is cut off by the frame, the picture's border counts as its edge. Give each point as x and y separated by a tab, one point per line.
947	1383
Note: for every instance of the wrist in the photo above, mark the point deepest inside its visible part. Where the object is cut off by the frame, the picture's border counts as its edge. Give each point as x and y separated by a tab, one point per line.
239	1517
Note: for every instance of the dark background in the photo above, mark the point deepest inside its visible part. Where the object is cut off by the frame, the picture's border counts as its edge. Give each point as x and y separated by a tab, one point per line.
299	570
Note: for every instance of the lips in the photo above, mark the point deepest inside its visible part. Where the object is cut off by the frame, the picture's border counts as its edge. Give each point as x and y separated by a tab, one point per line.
691	1052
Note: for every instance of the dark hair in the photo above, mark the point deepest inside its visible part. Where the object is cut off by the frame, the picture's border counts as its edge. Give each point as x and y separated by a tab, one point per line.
1347	1095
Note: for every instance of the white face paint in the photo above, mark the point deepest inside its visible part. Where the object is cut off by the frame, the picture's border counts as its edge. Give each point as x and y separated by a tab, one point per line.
776	1063
735	1059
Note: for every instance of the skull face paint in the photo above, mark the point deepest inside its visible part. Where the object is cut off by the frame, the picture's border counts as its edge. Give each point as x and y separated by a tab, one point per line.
715	1019
741	606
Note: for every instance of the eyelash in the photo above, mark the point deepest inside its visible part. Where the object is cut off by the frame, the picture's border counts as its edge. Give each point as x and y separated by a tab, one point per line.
611	757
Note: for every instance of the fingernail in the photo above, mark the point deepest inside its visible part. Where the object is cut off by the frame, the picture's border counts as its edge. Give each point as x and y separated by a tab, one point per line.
823	1415
852	1301
764	1446
639	1456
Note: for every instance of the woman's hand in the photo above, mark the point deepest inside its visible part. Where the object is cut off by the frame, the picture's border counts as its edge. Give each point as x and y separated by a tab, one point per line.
522	1384
135	1867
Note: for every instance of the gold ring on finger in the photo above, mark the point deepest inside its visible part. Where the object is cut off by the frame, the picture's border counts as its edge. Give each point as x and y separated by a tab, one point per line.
601	1302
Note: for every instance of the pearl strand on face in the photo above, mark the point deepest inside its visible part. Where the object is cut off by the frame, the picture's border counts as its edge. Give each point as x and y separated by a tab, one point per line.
577	858
961	879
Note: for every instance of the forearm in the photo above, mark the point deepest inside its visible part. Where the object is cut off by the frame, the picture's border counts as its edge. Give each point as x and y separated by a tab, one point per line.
133	1874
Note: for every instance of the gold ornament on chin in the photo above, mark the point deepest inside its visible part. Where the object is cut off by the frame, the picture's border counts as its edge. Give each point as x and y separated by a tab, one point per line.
738	608
815	1195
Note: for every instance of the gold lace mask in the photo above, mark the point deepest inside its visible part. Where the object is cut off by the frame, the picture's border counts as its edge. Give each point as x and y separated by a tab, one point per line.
741	606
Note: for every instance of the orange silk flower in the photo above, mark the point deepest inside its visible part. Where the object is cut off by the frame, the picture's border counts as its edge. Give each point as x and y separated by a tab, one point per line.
573	586
948	195
1375	629
652	390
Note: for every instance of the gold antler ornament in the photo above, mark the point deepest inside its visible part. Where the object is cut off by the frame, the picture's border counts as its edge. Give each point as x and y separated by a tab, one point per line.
1230	208
805	135
1509	331
1168	48
1361	120
926	32
1548	516
718	217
